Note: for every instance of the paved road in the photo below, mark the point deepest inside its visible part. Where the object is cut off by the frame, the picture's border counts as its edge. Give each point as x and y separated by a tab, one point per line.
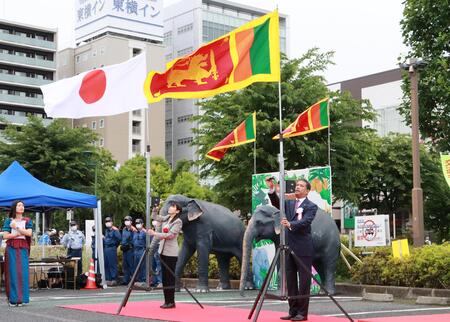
44	305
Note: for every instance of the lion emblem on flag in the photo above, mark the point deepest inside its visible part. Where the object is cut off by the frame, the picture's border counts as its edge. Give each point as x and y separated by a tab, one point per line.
196	71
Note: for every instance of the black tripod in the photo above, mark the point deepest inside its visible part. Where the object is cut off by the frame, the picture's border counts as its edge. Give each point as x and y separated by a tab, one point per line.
265	285
133	279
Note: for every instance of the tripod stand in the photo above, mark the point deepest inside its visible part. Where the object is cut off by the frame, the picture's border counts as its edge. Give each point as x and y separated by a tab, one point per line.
133	279
262	294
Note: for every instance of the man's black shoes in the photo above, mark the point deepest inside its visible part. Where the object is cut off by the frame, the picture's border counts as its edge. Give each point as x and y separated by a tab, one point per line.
297	317
168	306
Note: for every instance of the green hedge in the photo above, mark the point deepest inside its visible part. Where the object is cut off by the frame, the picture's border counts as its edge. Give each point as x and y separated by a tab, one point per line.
427	266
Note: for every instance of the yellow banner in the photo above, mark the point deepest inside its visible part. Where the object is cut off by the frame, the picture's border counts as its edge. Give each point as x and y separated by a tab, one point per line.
400	248
445	159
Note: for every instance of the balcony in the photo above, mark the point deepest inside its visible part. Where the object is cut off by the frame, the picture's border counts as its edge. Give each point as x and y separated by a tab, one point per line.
23	80
21	100
27	61
22	41
15	119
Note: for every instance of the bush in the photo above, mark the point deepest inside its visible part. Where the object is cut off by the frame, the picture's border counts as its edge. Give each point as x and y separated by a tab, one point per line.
427	266
191	268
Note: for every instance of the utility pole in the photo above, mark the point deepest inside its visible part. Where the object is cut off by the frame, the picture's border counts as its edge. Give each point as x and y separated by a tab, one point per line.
417	192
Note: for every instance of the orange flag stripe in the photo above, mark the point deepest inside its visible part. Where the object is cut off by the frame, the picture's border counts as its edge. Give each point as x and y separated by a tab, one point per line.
244	41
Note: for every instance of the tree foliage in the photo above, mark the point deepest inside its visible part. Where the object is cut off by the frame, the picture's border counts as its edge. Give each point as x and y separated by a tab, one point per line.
301	86
388	186
425	27
55	154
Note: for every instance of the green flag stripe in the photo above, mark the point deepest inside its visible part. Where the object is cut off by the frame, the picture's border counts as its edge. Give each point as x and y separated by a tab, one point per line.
324	113
249	128
260	51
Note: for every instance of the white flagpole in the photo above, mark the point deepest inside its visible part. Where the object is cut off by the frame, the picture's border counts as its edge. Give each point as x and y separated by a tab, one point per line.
283	290
329	125
254	156
148	197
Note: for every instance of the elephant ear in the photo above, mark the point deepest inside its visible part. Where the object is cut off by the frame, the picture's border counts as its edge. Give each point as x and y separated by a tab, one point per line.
194	210
276	221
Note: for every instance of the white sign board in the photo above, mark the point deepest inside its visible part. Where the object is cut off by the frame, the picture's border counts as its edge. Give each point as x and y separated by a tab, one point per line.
138	18
372	230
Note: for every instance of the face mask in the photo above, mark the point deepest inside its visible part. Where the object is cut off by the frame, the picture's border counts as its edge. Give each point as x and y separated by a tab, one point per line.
73	228
108	224
138	226
127	223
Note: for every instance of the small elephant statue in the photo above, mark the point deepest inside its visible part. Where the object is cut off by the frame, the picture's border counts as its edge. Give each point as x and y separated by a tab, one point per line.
207	228
265	224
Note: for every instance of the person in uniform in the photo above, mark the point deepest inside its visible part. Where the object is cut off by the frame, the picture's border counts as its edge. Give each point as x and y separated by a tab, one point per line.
111	241
74	241
139	242
126	245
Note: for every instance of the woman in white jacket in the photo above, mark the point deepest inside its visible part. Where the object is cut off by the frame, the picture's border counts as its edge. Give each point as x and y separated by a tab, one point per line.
168	250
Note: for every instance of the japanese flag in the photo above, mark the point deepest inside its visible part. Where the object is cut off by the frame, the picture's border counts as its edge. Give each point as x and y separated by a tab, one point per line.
108	90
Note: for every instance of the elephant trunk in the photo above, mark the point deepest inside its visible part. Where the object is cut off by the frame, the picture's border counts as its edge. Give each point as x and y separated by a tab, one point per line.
246	253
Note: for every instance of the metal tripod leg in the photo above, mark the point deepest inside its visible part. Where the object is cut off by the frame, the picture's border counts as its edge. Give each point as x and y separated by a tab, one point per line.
263	291
298	260
133	279
265	285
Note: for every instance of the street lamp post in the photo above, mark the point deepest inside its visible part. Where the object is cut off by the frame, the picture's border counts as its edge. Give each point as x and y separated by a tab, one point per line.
417	193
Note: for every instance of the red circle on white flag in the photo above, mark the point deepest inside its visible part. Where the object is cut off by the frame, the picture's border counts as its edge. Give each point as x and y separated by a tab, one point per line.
93	86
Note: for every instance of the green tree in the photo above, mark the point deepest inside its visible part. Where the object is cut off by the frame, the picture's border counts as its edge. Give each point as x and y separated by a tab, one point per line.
425	27
301	86
123	192
389	183
55	154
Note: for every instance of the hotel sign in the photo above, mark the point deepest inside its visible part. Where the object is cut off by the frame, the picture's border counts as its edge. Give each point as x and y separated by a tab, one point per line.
139	18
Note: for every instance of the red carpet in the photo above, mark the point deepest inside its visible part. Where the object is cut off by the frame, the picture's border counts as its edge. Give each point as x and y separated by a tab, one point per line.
416	318
190	312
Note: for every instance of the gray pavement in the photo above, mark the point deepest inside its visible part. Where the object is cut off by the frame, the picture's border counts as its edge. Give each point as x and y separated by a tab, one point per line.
44	305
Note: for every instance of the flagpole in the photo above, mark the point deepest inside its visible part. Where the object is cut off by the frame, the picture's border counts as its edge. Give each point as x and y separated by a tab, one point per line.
283	292
148	197
329	140
254	156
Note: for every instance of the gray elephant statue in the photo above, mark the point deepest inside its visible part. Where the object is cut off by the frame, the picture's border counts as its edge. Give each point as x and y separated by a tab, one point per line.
207	228
265	224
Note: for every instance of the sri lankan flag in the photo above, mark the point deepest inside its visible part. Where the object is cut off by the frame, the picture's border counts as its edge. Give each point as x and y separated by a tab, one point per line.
244	133
250	53
313	119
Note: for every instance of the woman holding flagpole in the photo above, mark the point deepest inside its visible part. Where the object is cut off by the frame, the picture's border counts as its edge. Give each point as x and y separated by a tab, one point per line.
16	230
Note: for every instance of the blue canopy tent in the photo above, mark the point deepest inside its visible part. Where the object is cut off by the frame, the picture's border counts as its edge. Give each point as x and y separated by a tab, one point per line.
16	183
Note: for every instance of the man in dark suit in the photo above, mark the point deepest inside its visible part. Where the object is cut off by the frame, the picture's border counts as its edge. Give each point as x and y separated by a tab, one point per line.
300	213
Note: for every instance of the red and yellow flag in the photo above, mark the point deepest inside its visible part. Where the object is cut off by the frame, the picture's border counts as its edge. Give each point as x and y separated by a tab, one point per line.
313	119
250	53
244	133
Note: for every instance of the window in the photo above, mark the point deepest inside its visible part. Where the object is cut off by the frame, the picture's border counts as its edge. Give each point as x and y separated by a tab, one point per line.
77	59
168	57
84	57
169	122
168	38
168	144
102	51
101	123
185	28
184	118
184	141
94	52
101	142
184	51
136	51
94	125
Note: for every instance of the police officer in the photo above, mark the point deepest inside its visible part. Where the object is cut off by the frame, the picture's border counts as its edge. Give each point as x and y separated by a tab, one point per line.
139	241
111	242
127	249
74	241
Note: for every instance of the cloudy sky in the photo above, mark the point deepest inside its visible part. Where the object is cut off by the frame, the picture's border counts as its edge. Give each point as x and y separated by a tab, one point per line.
364	34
